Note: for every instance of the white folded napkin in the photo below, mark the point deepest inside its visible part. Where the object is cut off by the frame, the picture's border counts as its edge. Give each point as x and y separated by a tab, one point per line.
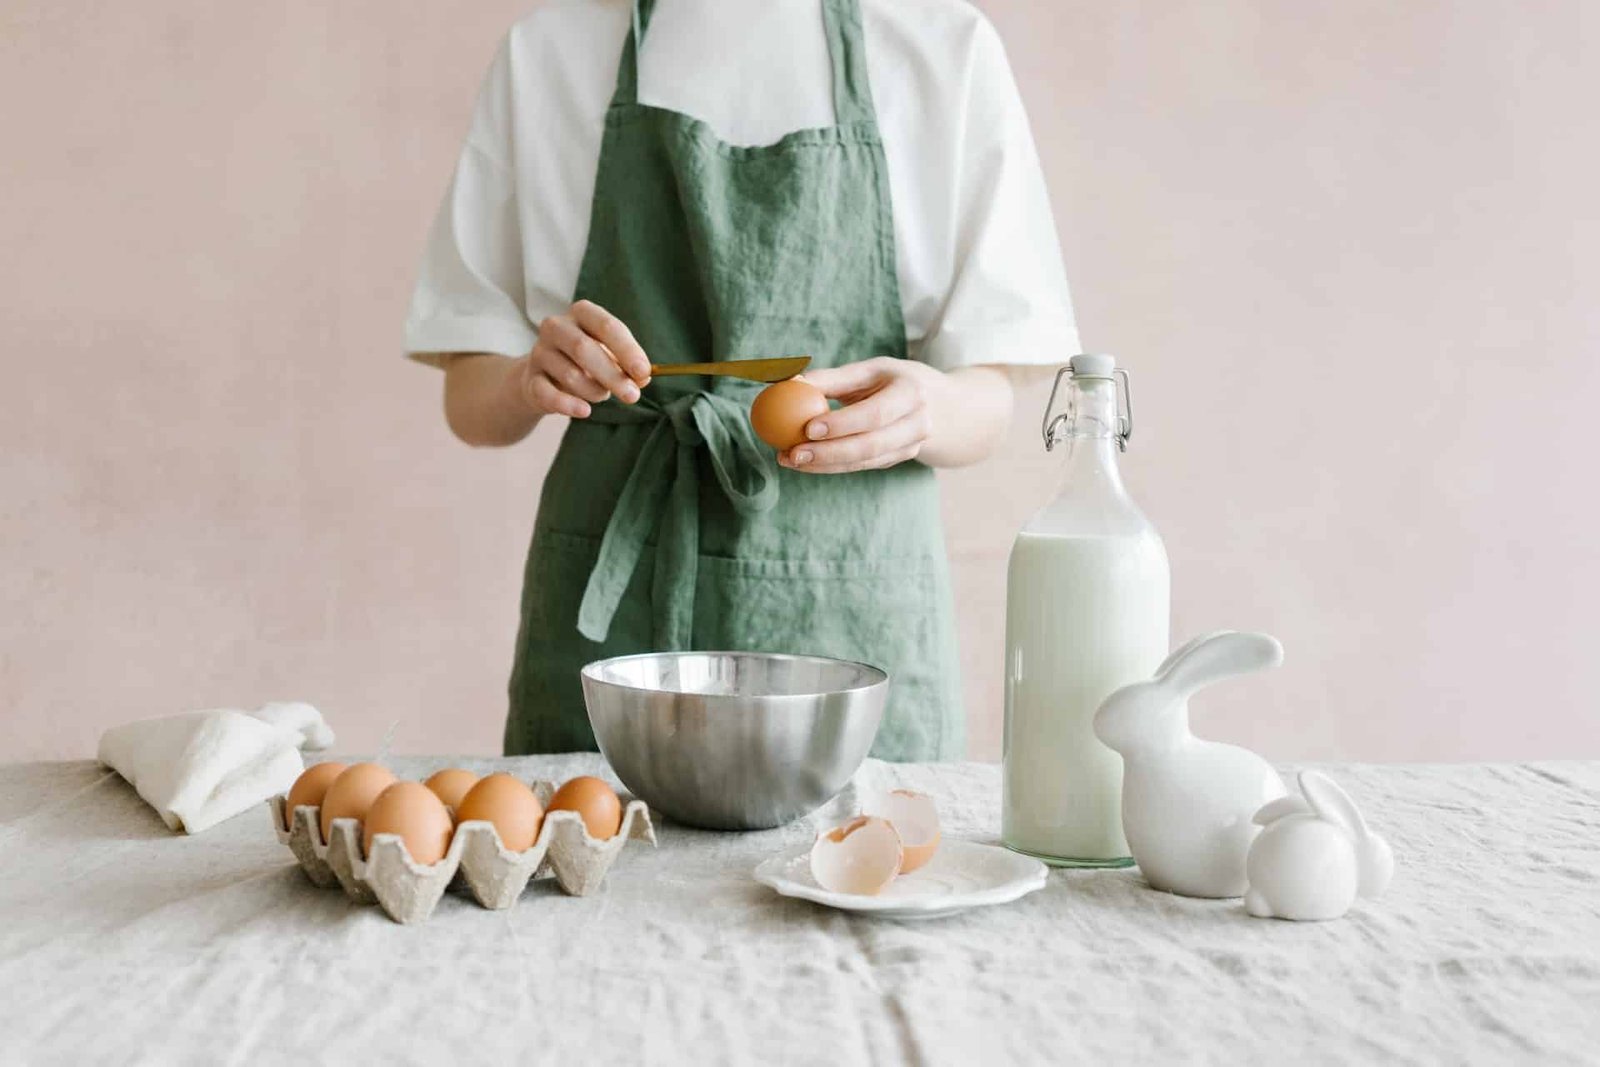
206	766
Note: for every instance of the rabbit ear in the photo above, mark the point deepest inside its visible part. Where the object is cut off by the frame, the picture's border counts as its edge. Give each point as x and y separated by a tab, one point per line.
1332	803
1217	656
1178	654
1284	806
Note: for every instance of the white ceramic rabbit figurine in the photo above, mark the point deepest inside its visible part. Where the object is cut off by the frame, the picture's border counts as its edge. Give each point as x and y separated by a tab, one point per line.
1187	803
1315	855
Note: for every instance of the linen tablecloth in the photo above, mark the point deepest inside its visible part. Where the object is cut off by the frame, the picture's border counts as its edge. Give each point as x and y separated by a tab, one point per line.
121	942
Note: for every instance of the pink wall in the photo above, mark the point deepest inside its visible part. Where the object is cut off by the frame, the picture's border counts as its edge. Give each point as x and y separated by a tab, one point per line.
1348	250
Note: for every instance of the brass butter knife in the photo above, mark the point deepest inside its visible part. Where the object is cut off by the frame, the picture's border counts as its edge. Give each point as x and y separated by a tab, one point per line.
754	370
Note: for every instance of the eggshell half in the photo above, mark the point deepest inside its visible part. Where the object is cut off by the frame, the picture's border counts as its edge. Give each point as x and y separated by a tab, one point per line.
353	792
451	785
416	813
861	857
916	819
596	801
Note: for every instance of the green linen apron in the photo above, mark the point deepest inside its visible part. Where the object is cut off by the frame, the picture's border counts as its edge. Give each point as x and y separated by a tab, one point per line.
667	525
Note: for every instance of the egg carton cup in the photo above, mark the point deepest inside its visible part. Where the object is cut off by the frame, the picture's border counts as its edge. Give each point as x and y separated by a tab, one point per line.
495	877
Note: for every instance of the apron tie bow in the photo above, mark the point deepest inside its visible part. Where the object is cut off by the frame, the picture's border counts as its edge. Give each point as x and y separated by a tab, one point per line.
663	494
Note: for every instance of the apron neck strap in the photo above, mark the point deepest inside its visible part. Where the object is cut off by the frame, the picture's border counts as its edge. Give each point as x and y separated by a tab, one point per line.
627	91
852	92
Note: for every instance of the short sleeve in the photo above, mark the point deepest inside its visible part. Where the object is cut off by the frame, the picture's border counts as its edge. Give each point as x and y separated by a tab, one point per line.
1007	301
469	295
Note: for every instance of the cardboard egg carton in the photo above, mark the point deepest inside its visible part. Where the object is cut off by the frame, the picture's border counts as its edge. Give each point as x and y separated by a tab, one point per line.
408	891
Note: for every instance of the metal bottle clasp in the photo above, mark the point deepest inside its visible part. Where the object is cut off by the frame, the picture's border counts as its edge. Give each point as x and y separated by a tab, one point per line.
1051	426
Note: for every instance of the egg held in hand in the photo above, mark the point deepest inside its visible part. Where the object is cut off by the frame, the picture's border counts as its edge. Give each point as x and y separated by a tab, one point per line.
353	792
508	804
415	813
593	799
309	789
781	411
451	785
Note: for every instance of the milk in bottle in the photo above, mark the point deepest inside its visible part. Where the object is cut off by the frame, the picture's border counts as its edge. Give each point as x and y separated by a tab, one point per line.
1087	609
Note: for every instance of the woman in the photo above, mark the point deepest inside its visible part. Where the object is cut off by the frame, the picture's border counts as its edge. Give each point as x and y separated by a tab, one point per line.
691	180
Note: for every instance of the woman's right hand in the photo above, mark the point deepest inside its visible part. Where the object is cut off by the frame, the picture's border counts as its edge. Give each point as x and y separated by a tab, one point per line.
582	357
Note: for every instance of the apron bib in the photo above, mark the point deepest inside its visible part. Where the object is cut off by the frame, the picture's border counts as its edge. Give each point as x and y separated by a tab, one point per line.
667	525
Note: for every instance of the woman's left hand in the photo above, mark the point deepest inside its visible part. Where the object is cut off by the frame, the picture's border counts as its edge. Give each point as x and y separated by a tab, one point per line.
886	419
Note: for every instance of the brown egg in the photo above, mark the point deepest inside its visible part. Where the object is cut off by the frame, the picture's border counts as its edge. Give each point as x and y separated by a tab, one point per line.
411	810
451	785
510	805
780	412
309	788
595	801
353	792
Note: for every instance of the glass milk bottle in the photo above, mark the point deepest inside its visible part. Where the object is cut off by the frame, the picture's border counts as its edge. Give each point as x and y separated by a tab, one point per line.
1087	609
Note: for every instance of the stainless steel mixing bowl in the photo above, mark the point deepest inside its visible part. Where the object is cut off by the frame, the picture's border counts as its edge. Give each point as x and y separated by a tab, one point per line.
734	740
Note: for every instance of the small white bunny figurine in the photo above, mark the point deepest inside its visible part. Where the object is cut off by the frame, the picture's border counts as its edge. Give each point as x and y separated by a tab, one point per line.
1315	855
1187	803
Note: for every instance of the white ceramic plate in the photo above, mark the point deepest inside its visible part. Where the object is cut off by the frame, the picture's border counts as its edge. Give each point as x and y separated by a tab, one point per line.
961	875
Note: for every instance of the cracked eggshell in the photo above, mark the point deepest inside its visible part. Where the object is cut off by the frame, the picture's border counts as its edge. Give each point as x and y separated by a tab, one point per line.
916	819
860	857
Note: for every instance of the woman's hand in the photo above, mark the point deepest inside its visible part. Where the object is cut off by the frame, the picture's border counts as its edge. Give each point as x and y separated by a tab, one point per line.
885	420
581	358
897	410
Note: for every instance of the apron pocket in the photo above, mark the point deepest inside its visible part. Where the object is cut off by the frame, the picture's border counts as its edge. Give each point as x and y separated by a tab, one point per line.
547	710
893	614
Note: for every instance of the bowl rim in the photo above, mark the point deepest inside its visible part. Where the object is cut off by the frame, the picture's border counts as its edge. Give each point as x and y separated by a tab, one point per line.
589	672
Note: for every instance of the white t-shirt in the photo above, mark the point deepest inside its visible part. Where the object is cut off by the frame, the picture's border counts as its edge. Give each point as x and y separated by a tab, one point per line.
980	271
